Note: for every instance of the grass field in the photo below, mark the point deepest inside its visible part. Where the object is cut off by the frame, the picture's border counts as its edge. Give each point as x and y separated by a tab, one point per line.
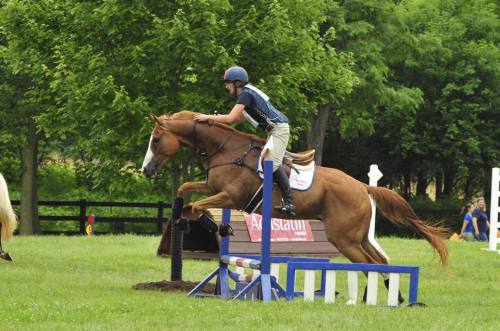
84	283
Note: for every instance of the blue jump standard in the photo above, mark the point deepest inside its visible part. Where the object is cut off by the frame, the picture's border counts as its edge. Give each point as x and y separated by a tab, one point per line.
268	287
364	267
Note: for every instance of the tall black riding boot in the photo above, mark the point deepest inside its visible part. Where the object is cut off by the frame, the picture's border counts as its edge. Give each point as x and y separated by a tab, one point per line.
280	178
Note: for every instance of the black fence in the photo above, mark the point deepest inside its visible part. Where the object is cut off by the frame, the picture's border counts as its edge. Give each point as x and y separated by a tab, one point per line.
83	206
447	217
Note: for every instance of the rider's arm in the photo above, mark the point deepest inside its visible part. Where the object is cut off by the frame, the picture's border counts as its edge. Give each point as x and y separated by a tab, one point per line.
234	116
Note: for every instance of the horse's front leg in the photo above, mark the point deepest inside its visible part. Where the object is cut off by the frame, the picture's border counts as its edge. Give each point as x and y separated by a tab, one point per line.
181	214
200	187
219	200
198	210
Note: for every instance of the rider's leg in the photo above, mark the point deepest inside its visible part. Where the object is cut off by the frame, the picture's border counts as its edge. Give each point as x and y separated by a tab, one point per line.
280	178
280	135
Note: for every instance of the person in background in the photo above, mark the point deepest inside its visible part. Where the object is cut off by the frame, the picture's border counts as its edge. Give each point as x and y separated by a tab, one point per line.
467	231
480	220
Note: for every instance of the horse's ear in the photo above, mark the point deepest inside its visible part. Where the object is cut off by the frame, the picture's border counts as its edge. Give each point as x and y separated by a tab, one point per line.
155	118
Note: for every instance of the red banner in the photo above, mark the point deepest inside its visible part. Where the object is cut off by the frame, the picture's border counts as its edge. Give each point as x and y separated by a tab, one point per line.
281	229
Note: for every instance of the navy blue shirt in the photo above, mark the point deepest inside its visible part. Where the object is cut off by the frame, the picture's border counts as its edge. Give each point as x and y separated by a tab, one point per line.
261	111
482	218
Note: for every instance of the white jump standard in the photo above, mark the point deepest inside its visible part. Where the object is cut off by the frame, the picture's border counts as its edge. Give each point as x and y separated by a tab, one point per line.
494	210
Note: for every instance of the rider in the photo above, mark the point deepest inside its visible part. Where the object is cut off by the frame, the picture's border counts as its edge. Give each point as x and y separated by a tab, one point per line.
253	105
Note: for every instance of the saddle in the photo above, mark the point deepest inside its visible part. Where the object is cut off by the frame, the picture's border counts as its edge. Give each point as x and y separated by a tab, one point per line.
299	168
301	158
300	161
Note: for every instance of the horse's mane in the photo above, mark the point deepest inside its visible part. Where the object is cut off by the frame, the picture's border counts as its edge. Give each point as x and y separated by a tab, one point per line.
189	115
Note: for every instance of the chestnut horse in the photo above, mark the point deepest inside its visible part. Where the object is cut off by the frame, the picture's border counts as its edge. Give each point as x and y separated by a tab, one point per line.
230	157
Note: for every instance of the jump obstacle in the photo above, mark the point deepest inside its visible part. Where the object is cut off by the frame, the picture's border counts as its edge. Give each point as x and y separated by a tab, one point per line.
329	281
494	210
263	284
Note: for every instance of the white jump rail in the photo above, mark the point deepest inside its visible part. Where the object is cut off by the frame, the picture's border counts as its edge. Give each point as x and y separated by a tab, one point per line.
352	280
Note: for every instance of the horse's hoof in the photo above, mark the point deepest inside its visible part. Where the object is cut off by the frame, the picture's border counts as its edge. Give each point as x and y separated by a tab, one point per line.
225	230
6	256
208	223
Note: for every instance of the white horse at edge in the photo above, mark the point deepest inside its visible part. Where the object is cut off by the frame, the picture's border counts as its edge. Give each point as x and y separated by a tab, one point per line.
8	219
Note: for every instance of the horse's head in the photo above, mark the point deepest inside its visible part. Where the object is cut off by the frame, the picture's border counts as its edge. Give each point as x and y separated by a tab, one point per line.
163	144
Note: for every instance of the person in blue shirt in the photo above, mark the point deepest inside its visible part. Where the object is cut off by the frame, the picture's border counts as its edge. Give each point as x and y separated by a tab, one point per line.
467	231
254	106
480	220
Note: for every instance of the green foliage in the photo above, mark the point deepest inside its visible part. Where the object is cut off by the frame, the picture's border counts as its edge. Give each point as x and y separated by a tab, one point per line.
455	68
412	85
450	203
431	71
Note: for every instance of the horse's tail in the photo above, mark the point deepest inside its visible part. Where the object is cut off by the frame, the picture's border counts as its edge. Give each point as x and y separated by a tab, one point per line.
7	216
399	212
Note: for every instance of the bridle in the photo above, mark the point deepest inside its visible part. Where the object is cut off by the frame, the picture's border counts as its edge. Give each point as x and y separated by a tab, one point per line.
205	156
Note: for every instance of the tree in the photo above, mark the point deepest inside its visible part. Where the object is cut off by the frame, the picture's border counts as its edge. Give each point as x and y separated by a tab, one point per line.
456	65
374	34
428	71
26	43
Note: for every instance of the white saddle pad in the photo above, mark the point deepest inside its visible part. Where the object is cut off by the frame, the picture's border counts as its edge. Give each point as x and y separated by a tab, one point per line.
301	181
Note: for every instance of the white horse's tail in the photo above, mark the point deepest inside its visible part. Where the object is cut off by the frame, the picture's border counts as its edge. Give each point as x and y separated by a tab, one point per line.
7	216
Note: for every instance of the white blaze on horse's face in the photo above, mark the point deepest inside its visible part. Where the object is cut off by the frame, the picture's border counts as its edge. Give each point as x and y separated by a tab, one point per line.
149	155
163	144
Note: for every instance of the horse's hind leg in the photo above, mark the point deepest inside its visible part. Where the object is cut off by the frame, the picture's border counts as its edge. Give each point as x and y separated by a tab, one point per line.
373	252
365	253
376	255
356	254
3	255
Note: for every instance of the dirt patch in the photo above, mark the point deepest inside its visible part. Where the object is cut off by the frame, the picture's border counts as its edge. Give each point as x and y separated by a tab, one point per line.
177	286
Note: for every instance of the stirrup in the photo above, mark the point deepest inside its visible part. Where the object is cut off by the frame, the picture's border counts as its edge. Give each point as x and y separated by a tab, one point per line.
288	209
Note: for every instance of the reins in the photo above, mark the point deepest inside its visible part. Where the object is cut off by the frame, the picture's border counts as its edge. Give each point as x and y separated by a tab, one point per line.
203	154
240	161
